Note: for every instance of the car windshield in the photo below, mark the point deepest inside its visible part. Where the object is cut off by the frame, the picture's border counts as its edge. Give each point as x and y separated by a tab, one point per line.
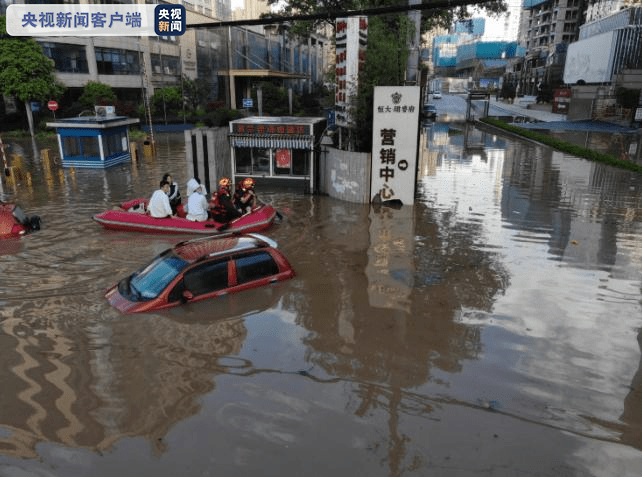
151	280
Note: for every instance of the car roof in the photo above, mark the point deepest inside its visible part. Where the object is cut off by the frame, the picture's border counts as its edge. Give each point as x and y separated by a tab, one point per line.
196	249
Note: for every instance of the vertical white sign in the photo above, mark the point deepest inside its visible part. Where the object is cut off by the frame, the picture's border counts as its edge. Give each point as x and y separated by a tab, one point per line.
351	42
394	143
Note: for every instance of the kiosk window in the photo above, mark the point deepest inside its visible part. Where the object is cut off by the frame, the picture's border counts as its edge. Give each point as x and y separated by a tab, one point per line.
243	159
300	162
260	160
255	266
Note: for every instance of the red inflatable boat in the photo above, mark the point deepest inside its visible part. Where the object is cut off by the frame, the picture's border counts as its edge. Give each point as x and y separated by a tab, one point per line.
132	217
14	222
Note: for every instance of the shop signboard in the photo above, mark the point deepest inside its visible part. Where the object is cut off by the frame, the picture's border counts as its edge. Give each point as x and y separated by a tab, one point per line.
351	42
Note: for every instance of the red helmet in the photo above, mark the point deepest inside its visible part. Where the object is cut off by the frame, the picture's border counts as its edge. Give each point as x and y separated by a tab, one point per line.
224	182
248	183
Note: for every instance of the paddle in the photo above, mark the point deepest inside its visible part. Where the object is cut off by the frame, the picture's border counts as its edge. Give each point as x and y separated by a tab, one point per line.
219	228
278	214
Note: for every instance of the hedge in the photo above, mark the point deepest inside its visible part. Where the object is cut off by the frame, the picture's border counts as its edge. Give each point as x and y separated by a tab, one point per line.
563	146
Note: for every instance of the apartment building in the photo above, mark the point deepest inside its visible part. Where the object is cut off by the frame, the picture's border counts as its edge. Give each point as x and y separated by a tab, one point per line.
250	9
230	59
547	27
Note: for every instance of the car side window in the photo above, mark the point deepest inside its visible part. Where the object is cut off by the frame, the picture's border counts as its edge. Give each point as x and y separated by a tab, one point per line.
177	292
255	266
206	278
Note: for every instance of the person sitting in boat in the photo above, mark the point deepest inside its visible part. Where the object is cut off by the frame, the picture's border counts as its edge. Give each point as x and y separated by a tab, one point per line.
193	184
223	209
174	194
245	198
191	187
159	203
197	206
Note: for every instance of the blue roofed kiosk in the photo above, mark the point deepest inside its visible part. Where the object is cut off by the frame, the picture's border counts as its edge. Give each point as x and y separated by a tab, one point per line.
95	142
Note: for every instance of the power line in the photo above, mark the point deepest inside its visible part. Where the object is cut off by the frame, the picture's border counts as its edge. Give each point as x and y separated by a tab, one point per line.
433	5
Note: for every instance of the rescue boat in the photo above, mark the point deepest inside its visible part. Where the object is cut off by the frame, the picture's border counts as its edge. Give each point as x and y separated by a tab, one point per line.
132	216
14	222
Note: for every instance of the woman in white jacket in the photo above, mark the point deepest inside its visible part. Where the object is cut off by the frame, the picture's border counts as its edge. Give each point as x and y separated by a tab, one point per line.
197	205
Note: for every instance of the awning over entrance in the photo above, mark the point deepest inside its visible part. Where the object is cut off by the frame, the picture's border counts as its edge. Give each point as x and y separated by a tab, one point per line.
273	141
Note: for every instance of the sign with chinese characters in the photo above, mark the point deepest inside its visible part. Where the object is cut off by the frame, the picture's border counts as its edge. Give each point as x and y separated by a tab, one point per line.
263	129
283	158
351	43
394	143
169	20
95	20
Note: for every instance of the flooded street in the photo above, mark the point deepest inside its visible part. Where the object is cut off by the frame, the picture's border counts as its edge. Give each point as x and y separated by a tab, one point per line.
493	328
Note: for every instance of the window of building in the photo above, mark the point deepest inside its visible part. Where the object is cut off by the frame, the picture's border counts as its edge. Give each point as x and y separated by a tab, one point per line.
300	162
67	58
85	147
294	162
115	143
260	160
243	160
165	64
111	61
252	161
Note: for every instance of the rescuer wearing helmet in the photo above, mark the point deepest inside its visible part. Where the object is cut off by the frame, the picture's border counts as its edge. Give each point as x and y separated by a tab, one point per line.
245	197
222	207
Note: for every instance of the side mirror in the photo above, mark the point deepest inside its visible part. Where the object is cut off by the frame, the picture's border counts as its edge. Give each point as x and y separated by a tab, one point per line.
188	295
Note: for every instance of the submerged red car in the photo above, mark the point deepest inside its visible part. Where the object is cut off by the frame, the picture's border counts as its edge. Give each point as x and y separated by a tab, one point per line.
200	269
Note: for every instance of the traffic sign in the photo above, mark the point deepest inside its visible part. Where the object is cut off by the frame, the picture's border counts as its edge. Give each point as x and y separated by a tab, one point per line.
52	105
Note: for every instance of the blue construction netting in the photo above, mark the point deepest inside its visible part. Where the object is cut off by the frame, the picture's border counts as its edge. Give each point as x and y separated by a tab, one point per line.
297	68
533	3
276	57
257	53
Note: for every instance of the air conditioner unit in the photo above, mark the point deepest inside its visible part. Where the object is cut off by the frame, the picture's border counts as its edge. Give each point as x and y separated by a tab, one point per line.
105	111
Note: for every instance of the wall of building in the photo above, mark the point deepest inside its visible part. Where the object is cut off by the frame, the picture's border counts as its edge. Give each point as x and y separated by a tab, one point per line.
345	175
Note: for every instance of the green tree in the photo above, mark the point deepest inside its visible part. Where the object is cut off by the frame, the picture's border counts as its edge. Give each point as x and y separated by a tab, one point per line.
275	99
25	72
169	97
431	18
194	91
385	65
95	93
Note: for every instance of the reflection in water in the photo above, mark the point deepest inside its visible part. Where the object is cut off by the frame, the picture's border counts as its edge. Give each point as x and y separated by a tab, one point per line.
128	379
511	286
587	217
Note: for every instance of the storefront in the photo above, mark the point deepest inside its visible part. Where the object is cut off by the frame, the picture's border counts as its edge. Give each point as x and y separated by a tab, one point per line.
276	149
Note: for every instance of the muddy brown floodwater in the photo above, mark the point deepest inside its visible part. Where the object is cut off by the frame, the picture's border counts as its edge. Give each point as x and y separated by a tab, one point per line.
493	328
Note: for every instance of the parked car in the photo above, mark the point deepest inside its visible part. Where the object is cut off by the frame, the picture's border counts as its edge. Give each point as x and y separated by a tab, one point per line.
429	111
201	269
436	95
